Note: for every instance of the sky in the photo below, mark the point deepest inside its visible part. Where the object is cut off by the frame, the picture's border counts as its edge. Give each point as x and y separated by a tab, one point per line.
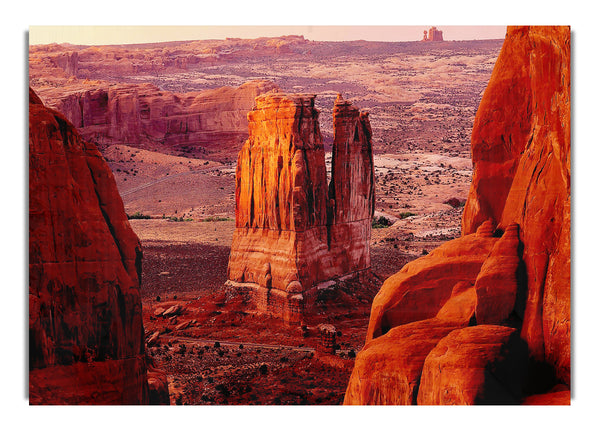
107	35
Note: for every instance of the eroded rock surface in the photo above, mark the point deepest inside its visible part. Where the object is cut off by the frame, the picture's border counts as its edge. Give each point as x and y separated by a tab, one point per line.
293	230
515	252
86	341
142	115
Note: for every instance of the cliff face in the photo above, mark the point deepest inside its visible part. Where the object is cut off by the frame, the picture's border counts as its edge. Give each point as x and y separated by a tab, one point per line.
514	253
522	174
294	230
143	115
86	341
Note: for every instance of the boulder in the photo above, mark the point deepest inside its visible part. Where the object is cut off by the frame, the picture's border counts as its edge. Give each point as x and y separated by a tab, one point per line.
388	368
153	339
174	310
483	364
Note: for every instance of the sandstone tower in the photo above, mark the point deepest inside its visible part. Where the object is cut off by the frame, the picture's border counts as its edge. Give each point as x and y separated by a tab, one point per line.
293	229
434	35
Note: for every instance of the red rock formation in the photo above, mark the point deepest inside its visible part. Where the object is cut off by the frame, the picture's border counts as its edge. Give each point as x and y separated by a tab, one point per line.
434	35
421	288
292	230
520	193
85	321
521	147
143	115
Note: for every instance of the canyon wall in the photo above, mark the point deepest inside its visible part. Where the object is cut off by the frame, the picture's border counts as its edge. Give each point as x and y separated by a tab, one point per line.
86	338
55	62
293	230
142	115
485	318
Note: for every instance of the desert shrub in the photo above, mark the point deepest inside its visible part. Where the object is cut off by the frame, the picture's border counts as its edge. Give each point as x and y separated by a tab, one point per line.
352	354
380	222
138	215
263	369
179	219
216	218
217	345
455	202
406	214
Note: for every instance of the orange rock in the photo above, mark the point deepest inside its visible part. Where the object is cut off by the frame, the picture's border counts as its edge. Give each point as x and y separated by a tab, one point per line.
482	364
388	368
421	288
85	313
521	147
497	282
558	396
292	229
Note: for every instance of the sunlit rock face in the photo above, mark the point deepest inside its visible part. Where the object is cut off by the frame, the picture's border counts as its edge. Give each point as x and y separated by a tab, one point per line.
86	342
293	229
514	254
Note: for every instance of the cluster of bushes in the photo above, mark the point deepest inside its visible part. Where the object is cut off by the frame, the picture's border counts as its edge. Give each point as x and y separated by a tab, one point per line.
175	218
380	222
217	218
138	215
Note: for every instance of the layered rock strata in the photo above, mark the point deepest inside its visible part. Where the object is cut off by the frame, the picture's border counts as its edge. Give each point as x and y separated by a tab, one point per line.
293	230
143	115
86	342
514	255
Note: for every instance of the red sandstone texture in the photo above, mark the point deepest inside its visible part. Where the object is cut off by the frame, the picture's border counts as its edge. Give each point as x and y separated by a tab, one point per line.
86	342
54	62
144	116
293	230
514	252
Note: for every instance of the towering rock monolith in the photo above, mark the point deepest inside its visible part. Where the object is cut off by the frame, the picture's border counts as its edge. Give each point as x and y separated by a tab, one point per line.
86	338
293	230
514	255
